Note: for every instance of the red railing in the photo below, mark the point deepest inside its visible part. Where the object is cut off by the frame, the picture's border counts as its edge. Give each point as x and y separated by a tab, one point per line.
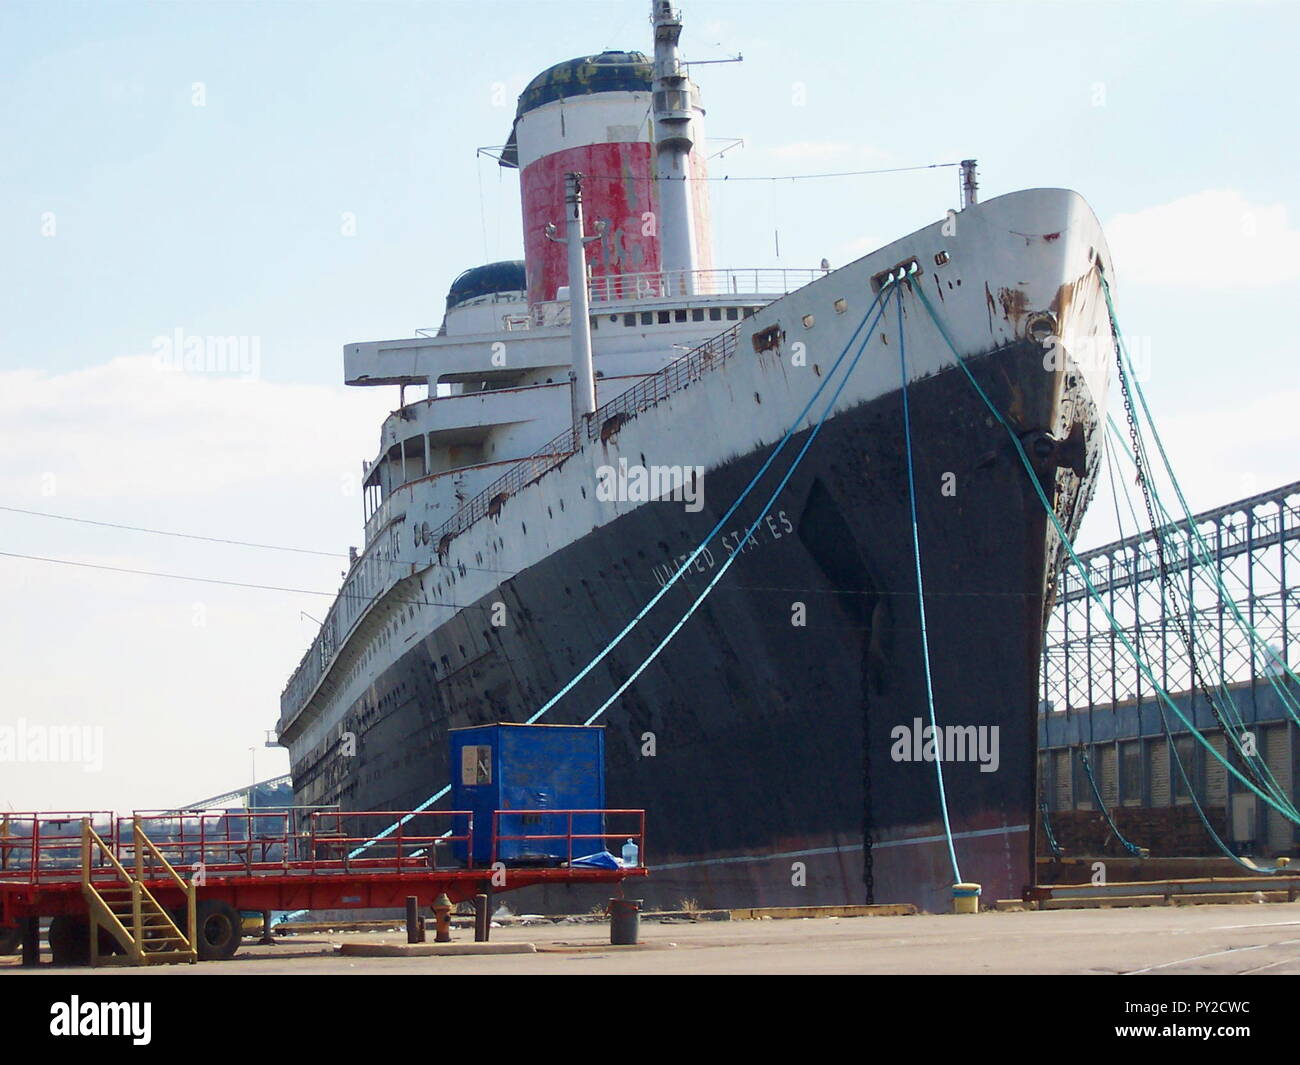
202	841
47	844
413	843
299	840
46	847
568	835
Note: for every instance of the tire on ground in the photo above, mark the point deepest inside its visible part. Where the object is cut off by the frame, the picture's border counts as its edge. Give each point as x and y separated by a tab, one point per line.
69	939
11	939
219	929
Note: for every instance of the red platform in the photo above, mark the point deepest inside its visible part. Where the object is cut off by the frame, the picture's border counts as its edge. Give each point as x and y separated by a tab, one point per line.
287	859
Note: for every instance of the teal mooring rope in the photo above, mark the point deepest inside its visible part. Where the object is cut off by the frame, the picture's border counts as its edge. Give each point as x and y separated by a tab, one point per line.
920	590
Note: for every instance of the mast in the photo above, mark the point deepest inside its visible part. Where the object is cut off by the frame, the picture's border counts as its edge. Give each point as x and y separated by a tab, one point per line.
674	137
582	378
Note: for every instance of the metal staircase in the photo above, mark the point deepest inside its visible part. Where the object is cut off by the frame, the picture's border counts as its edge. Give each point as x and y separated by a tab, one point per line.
120	904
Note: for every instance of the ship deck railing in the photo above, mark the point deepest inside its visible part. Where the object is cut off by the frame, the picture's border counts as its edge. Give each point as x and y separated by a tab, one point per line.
680	288
650	390
683	284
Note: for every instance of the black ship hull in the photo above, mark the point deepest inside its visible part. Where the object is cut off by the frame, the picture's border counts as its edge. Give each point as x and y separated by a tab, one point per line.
767	753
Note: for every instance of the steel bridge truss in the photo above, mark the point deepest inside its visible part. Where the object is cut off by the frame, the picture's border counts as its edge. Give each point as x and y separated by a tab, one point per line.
1253	555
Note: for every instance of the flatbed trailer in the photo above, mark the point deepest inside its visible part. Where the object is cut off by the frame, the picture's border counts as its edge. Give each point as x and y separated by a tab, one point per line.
170	885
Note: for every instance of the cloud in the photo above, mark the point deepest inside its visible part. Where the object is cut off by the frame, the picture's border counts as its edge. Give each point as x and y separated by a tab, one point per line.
1252	451
1211	239
181	677
128	428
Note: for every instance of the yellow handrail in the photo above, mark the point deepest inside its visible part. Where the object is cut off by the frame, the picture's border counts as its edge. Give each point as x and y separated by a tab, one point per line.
101	912
186	886
88	835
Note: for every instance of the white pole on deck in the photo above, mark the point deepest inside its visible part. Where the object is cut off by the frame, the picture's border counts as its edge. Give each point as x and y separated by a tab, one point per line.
582	377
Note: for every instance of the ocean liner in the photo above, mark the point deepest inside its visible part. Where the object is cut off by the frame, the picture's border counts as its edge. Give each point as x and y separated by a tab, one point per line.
778	744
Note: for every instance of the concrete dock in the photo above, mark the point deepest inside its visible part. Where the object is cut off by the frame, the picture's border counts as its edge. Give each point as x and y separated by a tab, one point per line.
1245	939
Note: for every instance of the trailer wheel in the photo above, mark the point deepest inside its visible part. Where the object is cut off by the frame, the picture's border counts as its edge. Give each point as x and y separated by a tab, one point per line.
69	940
11	939
218	929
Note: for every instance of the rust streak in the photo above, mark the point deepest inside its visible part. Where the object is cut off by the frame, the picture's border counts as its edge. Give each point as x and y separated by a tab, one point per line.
1015	305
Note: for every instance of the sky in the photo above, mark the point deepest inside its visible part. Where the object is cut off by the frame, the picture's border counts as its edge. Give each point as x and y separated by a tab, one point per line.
303	175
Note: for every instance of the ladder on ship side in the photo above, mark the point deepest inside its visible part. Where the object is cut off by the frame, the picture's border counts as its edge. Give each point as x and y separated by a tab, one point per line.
125	908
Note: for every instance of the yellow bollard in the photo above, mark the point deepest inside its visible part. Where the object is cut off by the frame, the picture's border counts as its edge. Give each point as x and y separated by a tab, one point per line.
965	898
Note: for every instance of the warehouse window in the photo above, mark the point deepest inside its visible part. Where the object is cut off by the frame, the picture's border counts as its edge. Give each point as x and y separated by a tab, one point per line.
1083	799
1130	782
1184	748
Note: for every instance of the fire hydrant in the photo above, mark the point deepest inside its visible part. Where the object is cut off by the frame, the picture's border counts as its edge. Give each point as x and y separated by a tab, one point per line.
442	919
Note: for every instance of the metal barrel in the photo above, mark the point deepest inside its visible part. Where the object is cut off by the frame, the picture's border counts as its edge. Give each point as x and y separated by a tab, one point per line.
624	921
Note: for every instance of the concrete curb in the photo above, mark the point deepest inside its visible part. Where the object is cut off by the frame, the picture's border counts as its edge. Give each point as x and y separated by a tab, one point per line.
425	950
758	913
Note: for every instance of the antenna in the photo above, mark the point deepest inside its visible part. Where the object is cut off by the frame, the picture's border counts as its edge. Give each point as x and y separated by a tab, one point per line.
737	58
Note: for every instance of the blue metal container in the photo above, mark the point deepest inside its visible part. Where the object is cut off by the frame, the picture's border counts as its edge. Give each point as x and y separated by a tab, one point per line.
531	768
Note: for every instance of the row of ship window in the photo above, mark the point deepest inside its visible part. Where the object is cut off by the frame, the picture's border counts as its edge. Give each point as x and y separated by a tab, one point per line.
681	314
